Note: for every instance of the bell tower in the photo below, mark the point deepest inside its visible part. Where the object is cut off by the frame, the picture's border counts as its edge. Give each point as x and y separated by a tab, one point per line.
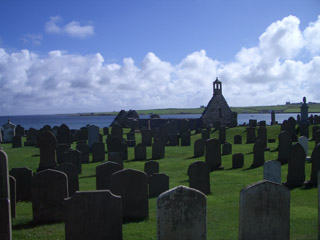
217	87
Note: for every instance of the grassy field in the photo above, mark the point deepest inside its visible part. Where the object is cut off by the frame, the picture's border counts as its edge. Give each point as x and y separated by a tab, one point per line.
222	203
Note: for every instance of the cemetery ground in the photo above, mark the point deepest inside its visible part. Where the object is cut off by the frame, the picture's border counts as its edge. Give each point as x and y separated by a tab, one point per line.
222	202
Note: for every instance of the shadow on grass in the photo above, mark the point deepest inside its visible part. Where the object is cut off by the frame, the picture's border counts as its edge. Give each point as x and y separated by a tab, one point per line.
31	224
249	153
35	155
90	176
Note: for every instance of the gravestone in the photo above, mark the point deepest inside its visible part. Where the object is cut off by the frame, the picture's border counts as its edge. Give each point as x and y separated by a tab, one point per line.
5	216
131	139
146	137
72	173
116	131
98	152
23	178
199	176
158	183
213	154
273	117
222	134
151	167
237	160
140	152
20	130
49	189
173	140
8	132
251	135
31	137
199	148
184	125
74	157
12	182
226	148
64	135
317	137
93	135
314	130
205	134
83	147
104	172
272	171
262	123
284	148
115	157
93	215
105	131
124	151
61	152
262	135
252	122
132	186
304	130
264	212
17	141
175	203
47	145
258	153
315	167
304	143
304	123
114	145
185	138
237	139
158	150
296	166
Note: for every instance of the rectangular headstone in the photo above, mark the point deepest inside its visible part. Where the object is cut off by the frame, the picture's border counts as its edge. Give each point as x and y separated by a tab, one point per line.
272	171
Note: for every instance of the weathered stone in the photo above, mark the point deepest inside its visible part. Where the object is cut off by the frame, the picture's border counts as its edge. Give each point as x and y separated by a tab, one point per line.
304	143
93	215
184	125
296	166
115	157
17	141
61	152
182	214
237	160
31	137
284	148
47	145
158	183
226	148
315	167
74	157
264	211
23	178
20	130
49	189
114	145
258	153
104	172
213	154
116	131
158	150
262	135
237	139
146	137
8	132
199	148
93	135
272	171
251	135
199	176
98	152
173	140
205	134
12	182
72	173
140	152
185	138
222	135
83	147
151	167
132	186
64	135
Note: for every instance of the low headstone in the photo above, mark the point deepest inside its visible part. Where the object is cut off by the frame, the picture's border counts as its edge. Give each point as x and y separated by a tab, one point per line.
47	145
146	137
74	157
315	167
61	152
199	176
12	182
304	143
93	135
98	152
284	148
158	150
237	139
72	173
264	211
226	148
199	148
151	167
251	135
185	138
64	135
296	166
132	186
258	153
222	135
104	172
237	160
49	189
158	183
83	147
17	141
23	177
93	215
182	214
213	154
272	171
140	152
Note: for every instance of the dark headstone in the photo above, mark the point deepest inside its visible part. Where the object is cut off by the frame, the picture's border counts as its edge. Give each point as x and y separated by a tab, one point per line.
124	151
12	182
146	137
199	148
93	135
115	157
104	172
314	130
158	150
237	160
226	148
93	215
205	134
16	141
71	171
83	147
105	131
296	166
262	135
253	123
222	135
185	138
64	135
213	154
199	176
251	135
23	178
116	131
20	131
47	145
61	152
173	140
114	144
158	183
284	148
74	157
237	139
258	153
315	167
98	152
140	152
151	167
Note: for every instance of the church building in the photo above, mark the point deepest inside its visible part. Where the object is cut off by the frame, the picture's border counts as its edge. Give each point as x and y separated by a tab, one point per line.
218	112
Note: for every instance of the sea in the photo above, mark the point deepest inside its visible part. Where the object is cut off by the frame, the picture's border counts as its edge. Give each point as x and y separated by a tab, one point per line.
76	121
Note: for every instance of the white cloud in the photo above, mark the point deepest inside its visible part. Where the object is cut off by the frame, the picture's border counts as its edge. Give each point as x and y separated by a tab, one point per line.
73	29
266	74
34	39
312	36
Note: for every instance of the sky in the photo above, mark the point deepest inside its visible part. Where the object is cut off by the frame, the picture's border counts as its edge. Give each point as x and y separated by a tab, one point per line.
100	56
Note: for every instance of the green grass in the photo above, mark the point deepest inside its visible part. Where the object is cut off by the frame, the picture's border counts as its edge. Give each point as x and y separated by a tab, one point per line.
222	203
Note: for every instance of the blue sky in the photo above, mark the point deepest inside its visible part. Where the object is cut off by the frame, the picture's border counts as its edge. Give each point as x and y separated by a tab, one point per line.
84	56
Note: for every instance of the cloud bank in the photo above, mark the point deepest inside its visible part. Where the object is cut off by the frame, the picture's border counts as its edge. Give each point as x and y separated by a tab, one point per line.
267	74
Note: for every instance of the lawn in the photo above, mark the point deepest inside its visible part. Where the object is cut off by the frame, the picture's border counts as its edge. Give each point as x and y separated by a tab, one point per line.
222	203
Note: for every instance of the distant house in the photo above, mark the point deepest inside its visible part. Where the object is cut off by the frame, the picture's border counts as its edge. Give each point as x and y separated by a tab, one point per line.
218	112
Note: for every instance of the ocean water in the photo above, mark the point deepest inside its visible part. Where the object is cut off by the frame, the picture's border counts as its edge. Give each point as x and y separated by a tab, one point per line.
76	122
